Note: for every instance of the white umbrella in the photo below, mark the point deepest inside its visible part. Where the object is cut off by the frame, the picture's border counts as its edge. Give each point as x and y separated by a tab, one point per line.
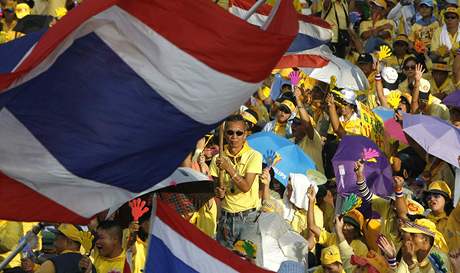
347	74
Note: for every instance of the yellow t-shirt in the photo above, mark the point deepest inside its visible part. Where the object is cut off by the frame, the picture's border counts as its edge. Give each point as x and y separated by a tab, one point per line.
140	256
10	234
369	24
436	40
341	7
452	229
53	5
110	265
423	33
299	221
313	148
446	87
351	126
246	161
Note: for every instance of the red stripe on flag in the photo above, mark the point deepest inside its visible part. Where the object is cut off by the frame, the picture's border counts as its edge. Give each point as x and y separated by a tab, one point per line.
21	203
170	217
302	60
215	37
247	4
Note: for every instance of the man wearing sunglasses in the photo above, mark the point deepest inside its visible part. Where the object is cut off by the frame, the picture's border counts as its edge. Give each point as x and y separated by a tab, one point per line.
282	125
240	192
447	36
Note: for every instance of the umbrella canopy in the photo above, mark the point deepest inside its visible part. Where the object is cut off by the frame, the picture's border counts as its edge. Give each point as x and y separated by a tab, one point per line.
347	74
395	131
384	113
291	158
453	99
435	136
378	174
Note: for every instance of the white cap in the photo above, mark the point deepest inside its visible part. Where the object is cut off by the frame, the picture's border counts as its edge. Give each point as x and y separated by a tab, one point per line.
424	86
349	96
389	74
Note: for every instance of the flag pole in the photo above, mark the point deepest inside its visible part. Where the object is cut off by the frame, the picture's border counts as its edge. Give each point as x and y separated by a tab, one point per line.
221	153
253	9
35	230
271	15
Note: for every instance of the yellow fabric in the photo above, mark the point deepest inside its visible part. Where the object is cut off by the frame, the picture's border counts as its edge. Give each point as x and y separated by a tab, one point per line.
53	5
22	10
313	148
351	126
331	17
423	33
10	234
371	232
140	256
329	239
369	24
206	220
328	215
425	265
261	111
246	161
446	87
452	229
427	227
110	265
280	129
288	104
395	62
299	221
46	267
436	40
440	221
352	57
437	109
440	186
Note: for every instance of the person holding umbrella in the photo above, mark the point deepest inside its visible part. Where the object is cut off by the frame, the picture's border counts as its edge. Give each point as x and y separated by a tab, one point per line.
240	191
348	122
282	125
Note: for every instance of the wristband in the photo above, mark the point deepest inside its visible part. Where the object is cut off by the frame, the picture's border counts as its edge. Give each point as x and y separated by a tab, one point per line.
361	182
392	262
378	77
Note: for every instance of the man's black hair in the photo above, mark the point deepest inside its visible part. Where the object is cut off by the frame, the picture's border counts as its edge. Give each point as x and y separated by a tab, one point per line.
112	226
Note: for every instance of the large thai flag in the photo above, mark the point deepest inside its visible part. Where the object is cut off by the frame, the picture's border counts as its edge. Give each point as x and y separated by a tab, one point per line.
177	246
109	101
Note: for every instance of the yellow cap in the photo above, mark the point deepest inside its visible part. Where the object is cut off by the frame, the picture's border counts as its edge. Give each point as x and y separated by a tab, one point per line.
60	12
263	92
289	104
440	66
70	231
249	117
425	226
380	3
414	208
440	187
452	10
22	10
330	255
402	38
285	72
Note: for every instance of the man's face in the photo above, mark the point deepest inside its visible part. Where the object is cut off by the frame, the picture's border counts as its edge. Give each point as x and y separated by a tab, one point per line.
451	19
400	48
439	76
425	11
418	240
60	243
283	114
436	202
299	129
235	133
333	268
366	68
106	243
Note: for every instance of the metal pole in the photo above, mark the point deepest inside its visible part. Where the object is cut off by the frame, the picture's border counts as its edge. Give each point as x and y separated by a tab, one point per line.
35	230
253	9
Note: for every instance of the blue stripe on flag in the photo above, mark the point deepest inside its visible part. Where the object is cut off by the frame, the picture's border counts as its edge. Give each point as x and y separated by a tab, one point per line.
12	53
102	121
304	42
161	259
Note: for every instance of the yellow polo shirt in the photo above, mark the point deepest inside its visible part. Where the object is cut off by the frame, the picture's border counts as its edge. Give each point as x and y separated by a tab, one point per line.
328	239
423	33
436	40
205	219
313	148
246	161
140	256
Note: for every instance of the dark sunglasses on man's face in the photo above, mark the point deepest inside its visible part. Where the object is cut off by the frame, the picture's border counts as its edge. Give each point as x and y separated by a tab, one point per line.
232	133
451	17
285	110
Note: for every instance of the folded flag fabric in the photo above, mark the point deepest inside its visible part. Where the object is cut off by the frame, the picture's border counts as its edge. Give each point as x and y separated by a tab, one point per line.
176	246
109	101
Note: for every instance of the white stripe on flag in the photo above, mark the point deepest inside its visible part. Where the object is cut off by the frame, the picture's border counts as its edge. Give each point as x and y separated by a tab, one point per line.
186	251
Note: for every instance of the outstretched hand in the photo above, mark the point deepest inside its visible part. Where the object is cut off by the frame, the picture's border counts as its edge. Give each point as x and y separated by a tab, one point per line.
138	208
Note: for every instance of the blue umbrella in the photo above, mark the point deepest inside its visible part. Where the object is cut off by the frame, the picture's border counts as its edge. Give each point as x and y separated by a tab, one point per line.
384	113
292	158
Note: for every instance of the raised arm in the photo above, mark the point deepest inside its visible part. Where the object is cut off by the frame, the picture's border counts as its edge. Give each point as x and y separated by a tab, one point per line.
333	116
311	225
303	113
419	70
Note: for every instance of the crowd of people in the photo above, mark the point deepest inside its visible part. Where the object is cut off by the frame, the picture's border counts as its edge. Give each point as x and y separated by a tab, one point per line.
416	229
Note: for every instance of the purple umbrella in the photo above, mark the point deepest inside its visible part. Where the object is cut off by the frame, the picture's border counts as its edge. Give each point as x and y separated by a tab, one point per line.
435	136
378	174
453	99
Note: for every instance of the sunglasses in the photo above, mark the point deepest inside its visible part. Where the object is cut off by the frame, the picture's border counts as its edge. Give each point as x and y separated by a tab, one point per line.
232	133
451	17
9	10
409	67
435	195
285	110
